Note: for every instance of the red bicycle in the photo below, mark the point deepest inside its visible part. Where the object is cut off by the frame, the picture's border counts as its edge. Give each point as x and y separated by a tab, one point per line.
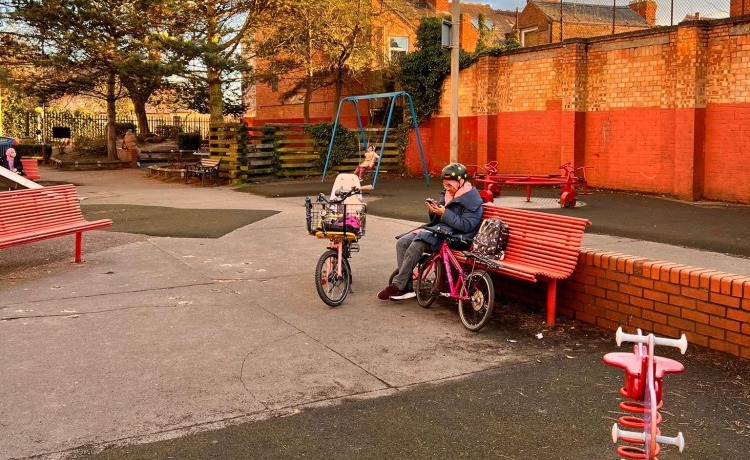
467	281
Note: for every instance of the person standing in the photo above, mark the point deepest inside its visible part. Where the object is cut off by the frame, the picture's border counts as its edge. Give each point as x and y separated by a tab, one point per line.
459	210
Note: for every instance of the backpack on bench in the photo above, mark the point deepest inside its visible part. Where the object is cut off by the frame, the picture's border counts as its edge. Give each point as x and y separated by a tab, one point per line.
491	239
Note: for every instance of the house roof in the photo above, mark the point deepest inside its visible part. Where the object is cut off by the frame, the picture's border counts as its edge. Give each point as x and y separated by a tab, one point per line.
590	14
500	21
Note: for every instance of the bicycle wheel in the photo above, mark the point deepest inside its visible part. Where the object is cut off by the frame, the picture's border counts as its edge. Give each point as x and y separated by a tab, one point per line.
331	287
430	281
477	313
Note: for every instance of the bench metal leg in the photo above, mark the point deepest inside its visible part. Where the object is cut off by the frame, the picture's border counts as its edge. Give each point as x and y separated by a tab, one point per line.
79	246
551	301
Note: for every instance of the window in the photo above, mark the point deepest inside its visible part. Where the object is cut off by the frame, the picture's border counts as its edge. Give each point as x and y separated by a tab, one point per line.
397	47
524	32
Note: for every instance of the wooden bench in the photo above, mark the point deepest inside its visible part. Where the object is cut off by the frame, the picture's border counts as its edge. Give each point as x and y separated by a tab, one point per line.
42	213
31	168
541	247
205	168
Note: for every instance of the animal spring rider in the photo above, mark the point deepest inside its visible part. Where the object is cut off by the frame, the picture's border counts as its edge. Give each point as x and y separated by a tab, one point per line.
644	390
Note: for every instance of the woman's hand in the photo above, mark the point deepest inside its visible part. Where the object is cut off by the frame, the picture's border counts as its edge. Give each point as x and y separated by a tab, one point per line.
436	208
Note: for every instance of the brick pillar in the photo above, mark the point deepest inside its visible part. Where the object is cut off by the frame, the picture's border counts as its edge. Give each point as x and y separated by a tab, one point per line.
690	67
739	8
572	68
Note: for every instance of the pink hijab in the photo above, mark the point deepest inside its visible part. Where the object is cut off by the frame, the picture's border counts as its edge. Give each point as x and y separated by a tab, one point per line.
460	189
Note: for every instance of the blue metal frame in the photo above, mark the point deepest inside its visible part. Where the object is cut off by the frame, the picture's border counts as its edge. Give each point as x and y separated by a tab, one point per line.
392	96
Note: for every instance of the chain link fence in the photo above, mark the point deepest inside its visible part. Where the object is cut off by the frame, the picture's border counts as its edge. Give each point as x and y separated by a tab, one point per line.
541	22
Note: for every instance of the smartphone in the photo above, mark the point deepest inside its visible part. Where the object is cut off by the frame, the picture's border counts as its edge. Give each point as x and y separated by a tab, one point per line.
430	200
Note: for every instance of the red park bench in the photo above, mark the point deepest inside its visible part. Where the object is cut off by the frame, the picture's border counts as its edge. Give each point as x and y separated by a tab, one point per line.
541	247
31	215
31	168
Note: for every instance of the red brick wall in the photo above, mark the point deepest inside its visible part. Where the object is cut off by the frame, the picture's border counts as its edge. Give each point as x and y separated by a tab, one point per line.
611	290
662	111
739	7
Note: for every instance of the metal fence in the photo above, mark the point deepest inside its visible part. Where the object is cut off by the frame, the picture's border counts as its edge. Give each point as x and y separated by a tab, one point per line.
40	125
549	21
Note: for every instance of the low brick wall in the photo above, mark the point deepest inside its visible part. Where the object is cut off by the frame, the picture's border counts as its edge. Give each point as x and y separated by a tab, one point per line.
610	290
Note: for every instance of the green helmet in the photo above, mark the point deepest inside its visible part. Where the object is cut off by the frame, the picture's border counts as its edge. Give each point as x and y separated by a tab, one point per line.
455	171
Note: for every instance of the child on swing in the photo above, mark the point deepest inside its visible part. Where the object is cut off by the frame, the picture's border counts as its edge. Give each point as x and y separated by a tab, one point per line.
369	162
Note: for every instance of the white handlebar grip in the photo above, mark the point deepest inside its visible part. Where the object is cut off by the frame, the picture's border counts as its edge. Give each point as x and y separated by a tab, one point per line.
680	343
617	433
678	441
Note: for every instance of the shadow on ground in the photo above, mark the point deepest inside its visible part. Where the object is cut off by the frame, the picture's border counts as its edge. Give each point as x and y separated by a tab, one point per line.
174	222
716	227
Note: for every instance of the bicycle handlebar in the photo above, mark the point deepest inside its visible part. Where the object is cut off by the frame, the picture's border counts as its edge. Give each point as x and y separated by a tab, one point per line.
449	236
341	194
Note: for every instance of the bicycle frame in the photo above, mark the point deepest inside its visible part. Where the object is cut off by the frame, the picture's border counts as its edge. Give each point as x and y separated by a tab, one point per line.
450	261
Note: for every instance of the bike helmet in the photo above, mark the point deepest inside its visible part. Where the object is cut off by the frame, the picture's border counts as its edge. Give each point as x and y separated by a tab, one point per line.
455	171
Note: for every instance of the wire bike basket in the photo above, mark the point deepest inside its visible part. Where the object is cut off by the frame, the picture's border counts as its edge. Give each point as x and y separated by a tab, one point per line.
326	220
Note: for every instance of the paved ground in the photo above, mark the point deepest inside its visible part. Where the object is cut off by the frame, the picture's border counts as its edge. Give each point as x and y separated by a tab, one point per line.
207	340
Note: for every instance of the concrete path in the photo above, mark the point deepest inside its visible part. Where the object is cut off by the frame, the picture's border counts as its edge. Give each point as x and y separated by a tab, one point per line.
153	338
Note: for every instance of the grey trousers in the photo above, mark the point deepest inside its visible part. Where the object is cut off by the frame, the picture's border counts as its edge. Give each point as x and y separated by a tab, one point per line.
408	253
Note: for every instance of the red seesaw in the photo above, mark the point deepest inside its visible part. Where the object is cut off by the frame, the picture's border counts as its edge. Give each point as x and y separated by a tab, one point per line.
492	182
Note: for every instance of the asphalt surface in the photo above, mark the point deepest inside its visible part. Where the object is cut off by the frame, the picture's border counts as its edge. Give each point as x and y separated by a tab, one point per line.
188	333
708	226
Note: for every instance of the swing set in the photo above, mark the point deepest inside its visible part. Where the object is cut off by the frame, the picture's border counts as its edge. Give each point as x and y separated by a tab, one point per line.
391	104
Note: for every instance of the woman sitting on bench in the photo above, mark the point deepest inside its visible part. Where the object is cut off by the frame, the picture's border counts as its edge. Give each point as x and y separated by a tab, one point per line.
11	162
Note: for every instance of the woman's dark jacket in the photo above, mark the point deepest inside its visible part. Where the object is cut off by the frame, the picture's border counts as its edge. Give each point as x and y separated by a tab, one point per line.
462	217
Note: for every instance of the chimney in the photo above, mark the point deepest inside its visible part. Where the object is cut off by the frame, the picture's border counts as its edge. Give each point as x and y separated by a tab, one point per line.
739	8
441	6
646	9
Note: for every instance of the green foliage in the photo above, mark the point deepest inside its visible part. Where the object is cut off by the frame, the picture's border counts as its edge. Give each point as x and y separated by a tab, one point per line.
189	141
344	145
122	128
193	95
88	147
34	150
421	73
168	131
508	45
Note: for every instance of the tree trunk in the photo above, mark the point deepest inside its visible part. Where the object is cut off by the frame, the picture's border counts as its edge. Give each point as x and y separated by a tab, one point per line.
308	98
139	107
337	89
111	117
215	100
213	74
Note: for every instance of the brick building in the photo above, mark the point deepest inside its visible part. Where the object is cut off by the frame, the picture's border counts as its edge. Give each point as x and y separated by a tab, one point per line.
393	33
540	21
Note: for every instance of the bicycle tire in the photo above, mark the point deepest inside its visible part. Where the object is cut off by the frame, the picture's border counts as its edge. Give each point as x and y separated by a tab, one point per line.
477	313
430	280
332	288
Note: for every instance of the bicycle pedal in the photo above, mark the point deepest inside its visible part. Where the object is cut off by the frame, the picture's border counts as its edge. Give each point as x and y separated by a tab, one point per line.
354	247
445	294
